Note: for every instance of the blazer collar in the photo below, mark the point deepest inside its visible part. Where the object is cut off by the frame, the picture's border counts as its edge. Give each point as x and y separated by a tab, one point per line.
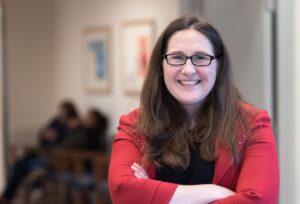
223	162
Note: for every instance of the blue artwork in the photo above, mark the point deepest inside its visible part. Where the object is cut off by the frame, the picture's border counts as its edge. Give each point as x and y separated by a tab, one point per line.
98	48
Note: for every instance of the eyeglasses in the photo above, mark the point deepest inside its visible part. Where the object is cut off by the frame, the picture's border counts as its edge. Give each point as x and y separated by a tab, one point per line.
197	60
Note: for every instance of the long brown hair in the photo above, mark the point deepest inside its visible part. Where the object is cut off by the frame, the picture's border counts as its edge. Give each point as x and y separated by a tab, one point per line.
163	120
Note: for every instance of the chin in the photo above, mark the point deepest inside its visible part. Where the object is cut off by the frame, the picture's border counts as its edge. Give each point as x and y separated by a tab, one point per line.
191	102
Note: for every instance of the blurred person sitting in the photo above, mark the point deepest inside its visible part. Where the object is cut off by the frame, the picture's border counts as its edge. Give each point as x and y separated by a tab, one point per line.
87	134
49	137
56	129
96	124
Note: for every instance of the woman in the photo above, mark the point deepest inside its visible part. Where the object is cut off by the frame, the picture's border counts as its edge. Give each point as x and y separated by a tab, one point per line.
193	139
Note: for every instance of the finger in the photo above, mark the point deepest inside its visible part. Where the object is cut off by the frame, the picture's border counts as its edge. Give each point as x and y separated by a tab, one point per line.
139	173
134	168
137	169
137	166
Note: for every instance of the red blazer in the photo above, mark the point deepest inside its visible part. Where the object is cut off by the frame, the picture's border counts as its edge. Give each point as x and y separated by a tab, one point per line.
255	181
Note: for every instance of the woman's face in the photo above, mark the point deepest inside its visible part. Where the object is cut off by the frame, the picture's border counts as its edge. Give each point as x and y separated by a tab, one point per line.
89	120
63	114
188	83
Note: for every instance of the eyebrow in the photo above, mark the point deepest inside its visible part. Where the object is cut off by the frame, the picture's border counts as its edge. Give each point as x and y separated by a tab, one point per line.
195	53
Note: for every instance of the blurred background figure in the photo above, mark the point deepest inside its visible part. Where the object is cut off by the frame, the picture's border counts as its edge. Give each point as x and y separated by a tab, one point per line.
89	133
52	135
65	131
96	125
84	144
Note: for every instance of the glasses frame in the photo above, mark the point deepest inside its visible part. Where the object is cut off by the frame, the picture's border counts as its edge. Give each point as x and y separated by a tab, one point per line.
165	56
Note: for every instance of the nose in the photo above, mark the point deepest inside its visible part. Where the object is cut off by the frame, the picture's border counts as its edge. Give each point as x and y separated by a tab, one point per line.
188	68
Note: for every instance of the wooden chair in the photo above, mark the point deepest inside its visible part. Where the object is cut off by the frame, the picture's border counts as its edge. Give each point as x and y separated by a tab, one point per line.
18	151
69	181
71	165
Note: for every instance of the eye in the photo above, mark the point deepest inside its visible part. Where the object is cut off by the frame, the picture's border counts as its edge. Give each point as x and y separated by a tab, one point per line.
177	57
200	57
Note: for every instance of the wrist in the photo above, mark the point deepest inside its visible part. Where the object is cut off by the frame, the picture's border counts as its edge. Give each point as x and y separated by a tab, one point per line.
222	192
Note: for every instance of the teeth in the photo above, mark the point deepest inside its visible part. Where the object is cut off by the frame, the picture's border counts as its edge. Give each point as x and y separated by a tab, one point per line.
189	82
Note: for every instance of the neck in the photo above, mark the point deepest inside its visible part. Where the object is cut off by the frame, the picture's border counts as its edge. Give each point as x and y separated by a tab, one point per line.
191	111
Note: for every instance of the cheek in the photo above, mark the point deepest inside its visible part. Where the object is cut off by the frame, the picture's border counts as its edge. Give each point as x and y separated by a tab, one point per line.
169	74
207	75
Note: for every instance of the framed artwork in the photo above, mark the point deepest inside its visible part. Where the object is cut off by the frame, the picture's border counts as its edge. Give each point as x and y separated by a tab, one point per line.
137	44
96	55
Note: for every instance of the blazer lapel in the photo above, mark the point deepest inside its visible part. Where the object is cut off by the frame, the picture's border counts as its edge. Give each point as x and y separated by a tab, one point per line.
222	164
225	160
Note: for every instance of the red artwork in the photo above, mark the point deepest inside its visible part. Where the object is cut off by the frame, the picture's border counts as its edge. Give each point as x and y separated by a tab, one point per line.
142	56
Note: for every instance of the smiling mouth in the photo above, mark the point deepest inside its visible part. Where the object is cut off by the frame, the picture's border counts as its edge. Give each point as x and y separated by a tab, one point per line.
189	82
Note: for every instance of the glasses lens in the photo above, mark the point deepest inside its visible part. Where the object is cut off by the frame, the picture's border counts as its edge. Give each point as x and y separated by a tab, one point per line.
201	60
176	59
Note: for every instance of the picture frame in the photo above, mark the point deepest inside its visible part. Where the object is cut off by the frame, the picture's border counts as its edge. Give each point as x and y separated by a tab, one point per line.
137	42
96	59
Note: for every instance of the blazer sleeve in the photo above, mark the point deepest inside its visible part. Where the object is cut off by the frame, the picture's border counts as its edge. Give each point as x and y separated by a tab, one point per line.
124	187
258	182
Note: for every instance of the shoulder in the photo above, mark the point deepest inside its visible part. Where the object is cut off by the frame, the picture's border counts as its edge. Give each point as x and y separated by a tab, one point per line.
252	113
130	118
259	124
128	122
249	108
127	128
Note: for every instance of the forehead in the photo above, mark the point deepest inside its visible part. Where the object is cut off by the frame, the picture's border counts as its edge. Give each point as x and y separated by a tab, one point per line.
189	41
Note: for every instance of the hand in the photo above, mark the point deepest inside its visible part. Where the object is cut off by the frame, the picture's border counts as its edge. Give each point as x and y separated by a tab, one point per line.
49	134
139	171
223	192
73	123
201	193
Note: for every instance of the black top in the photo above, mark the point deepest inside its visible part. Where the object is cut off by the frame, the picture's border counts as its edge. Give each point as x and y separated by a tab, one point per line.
60	129
198	172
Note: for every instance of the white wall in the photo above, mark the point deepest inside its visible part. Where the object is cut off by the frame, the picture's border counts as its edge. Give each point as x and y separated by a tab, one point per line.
192	7
2	140
289	99
297	93
30	72
44	57
71	17
288	105
248	40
